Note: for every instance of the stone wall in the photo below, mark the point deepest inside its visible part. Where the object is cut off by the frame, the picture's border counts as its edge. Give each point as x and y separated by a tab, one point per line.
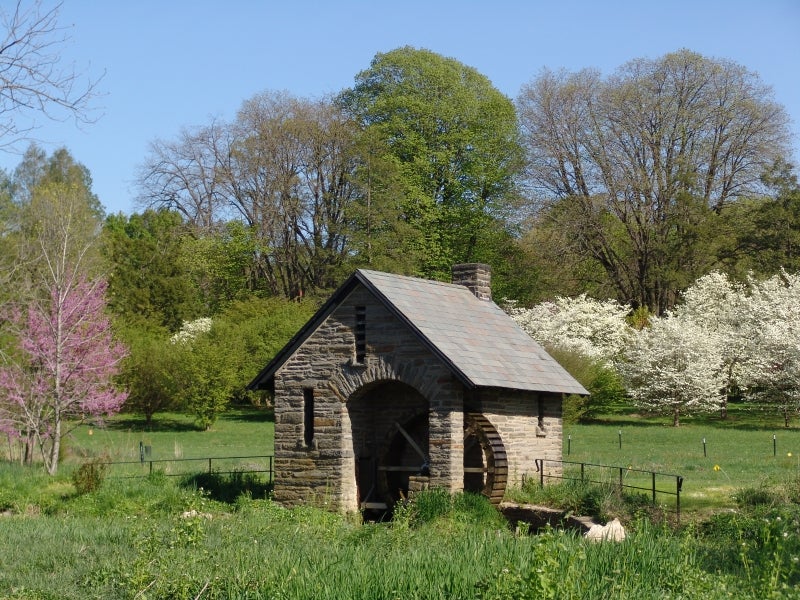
530	426
324	470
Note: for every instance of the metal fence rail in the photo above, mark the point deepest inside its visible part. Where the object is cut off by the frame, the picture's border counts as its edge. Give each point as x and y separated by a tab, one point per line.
224	465
623	477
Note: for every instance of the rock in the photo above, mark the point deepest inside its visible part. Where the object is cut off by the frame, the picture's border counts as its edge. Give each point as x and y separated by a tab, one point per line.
191	514
612	532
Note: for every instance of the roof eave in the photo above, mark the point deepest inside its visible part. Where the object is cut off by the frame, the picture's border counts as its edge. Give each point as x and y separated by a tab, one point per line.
262	380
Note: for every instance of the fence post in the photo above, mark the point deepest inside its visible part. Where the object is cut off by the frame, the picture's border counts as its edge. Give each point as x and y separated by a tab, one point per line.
582	471
209	465
653	473
541	472
679	482
151	467
620	479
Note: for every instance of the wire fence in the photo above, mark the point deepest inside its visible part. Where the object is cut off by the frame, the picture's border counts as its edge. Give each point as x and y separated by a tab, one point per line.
179	467
655	484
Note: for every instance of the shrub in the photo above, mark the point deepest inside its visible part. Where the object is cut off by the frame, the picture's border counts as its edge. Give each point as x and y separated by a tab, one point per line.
89	476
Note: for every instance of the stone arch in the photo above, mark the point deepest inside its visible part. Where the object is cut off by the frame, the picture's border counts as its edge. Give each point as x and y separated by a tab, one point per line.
373	418
423	376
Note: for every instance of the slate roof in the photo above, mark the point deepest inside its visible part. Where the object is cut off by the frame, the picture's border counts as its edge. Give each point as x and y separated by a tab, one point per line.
481	344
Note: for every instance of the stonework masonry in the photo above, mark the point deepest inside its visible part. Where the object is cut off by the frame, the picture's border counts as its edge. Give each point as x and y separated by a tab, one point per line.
360	399
325	470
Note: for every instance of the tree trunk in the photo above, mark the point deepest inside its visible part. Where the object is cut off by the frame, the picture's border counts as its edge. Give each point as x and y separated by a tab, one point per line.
51	457
676	417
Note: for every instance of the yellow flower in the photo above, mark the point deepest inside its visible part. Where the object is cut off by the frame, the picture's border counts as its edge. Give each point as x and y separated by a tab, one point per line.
789	454
716	467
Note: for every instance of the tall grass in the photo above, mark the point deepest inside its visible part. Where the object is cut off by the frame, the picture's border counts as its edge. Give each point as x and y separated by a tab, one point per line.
448	548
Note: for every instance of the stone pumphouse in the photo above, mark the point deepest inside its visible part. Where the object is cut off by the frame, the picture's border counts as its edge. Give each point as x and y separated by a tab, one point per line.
398	383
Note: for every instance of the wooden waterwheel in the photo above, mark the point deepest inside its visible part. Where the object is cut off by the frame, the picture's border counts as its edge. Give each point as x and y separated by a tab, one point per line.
485	460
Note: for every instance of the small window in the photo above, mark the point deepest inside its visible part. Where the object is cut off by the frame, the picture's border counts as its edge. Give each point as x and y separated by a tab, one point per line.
308	416
361	334
541	430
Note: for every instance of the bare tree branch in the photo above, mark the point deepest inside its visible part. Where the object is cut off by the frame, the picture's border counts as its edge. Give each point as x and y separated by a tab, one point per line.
33	80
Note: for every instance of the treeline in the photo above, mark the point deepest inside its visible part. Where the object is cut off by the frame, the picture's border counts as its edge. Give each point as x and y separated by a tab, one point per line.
629	187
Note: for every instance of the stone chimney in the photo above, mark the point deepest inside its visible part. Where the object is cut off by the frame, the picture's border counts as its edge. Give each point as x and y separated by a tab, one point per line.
477	277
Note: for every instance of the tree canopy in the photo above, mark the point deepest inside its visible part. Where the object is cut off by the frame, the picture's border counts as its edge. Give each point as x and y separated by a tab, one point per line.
453	137
634	168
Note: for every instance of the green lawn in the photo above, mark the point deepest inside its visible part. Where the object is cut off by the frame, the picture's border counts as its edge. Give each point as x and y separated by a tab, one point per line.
734	457
739	450
172	435
130	538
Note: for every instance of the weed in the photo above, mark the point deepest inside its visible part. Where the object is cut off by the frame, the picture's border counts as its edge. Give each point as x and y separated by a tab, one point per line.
89	476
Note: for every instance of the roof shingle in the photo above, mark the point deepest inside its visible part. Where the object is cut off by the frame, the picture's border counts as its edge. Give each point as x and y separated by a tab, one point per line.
475	336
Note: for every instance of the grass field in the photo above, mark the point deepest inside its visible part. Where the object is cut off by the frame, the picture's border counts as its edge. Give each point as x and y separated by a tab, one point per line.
132	538
747	450
734	457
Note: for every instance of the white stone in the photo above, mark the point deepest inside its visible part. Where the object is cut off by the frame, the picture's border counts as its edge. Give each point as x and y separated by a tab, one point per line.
612	532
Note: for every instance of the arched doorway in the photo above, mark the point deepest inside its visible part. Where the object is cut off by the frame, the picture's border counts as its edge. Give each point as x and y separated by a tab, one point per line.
390	431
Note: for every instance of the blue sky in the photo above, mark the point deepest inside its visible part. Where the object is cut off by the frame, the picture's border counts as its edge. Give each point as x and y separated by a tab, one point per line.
170	64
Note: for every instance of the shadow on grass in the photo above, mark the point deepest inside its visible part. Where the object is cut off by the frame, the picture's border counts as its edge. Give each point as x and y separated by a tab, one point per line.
251	415
227	487
624	421
741	416
138	423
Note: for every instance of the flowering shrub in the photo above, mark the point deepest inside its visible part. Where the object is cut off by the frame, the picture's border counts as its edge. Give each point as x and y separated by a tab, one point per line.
191	329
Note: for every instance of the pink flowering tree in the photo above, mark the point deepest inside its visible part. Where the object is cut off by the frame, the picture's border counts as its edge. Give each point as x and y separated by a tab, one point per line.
61	372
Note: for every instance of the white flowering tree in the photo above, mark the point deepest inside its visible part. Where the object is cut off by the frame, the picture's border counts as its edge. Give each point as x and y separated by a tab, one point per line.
592	328
674	368
717	307
772	367
585	335
190	330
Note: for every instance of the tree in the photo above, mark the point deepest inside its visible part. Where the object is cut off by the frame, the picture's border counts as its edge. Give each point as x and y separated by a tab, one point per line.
636	168
62	354
762	234
149	372
585	336
772	368
717	307
149	278
674	368
284	168
32	80
453	139
63	370
594	329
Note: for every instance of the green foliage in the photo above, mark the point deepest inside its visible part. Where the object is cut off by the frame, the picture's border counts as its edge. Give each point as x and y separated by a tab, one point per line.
221	265
760	546
149	372
149	283
762	234
602	501
89	476
206	379
601	381
249	333
205	374
453	140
